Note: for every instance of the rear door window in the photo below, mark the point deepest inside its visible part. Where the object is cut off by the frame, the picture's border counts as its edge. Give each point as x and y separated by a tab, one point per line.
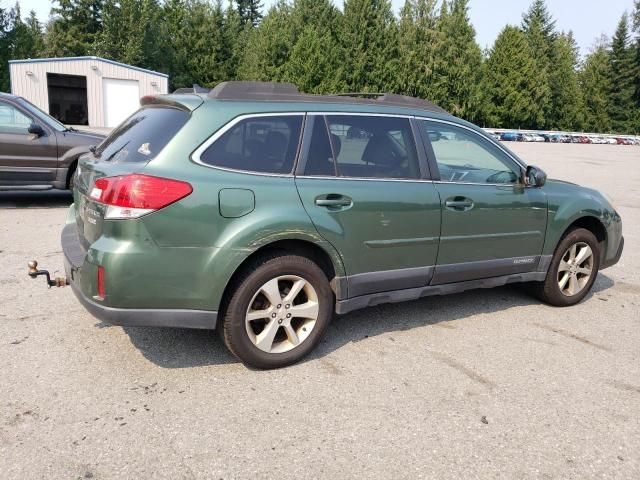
363	146
142	136
263	144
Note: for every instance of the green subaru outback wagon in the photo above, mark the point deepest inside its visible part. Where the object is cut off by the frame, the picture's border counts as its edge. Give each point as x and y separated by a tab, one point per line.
260	211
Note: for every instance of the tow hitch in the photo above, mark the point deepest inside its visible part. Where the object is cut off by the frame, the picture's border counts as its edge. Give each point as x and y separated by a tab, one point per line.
56	282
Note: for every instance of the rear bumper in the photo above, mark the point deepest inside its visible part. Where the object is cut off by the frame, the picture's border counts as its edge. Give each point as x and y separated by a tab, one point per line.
74	264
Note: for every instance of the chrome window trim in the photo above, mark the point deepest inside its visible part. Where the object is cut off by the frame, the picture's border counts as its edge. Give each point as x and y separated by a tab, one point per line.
491	140
197	153
371	179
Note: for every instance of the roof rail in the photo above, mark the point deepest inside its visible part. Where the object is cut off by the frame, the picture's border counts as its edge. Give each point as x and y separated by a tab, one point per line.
287	92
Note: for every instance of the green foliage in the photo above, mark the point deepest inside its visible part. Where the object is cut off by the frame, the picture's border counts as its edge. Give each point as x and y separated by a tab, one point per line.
73	27
418	39
595	79
532	77
250	11
368	36
458	62
566	96
513	94
623	78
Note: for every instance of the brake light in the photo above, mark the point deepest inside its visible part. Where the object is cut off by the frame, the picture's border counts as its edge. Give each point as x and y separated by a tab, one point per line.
131	196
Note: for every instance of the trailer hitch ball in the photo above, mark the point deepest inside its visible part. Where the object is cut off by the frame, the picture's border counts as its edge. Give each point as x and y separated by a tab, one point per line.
34	273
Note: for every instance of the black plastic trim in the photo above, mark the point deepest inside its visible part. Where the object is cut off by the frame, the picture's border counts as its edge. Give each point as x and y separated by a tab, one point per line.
386	280
148	317
459	272
349	305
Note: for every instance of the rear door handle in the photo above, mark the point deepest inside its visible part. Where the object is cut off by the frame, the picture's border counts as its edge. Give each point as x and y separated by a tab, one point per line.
333	200
460	204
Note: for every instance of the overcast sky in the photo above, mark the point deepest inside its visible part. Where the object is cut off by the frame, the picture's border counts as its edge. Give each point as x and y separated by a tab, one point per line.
587	18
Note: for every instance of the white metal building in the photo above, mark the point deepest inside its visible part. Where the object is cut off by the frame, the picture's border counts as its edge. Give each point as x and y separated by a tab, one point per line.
89	91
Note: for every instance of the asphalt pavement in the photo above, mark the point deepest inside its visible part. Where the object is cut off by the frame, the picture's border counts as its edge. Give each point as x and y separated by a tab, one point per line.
483	384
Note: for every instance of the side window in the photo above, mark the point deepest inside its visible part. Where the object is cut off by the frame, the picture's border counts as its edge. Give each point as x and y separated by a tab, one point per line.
266	144
13	120
463	156
373	146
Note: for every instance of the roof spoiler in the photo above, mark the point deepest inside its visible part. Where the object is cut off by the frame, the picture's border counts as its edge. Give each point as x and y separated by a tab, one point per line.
194	89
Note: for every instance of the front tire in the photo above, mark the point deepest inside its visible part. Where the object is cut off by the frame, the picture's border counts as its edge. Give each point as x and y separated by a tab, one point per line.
279	309
573	270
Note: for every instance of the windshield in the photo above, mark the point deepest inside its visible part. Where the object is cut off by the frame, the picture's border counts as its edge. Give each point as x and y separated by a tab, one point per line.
143	135
48	119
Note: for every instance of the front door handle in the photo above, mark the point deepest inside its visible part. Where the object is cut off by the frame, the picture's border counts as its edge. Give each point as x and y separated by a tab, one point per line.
333	201
459	203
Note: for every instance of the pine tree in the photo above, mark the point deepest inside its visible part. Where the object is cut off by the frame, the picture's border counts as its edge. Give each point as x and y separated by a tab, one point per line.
131	33
595	78
418	39
566	95
315	55
250	11
510	85
268	46
5	51
458	64
73	27
27	37
539	27
623	79
369	37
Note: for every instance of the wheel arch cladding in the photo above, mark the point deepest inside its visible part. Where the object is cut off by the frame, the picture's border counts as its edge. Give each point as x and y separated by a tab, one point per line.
303	248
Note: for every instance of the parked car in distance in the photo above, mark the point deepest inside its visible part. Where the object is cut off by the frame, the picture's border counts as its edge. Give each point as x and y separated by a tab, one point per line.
511	137
251	209
36	151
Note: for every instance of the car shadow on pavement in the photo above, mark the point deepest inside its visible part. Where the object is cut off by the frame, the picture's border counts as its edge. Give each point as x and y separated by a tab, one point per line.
28	199
182	348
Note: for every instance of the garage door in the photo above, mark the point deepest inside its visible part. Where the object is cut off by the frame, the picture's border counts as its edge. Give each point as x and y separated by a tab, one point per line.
121	99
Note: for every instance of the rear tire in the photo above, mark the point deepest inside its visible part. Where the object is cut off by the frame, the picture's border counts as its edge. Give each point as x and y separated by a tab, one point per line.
573	270
278	312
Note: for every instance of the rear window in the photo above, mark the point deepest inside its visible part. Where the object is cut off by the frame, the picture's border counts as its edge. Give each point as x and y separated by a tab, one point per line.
143	135
264	144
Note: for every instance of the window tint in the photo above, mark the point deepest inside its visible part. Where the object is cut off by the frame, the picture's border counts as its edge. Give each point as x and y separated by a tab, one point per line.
13	120
259	144
143	135
372	146
463	156
320	157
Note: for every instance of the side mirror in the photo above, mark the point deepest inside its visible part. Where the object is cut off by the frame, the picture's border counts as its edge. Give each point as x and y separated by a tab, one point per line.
36	129
535	177
434	136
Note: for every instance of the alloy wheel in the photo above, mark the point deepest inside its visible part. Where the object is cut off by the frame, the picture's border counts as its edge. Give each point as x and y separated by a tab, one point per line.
575	269
282	314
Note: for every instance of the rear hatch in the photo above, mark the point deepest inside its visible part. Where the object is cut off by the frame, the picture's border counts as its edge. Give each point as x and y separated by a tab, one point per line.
127	150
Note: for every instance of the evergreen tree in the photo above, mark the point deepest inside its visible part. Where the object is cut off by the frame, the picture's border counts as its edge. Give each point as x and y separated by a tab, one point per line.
566	95
369	38
131	33
250	11
418	38
73	27
459	60
5	50
315	56
595	78
623	79
539	28
510	84
268	46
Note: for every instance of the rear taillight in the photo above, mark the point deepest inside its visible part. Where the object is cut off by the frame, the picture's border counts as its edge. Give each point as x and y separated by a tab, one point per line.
131	196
